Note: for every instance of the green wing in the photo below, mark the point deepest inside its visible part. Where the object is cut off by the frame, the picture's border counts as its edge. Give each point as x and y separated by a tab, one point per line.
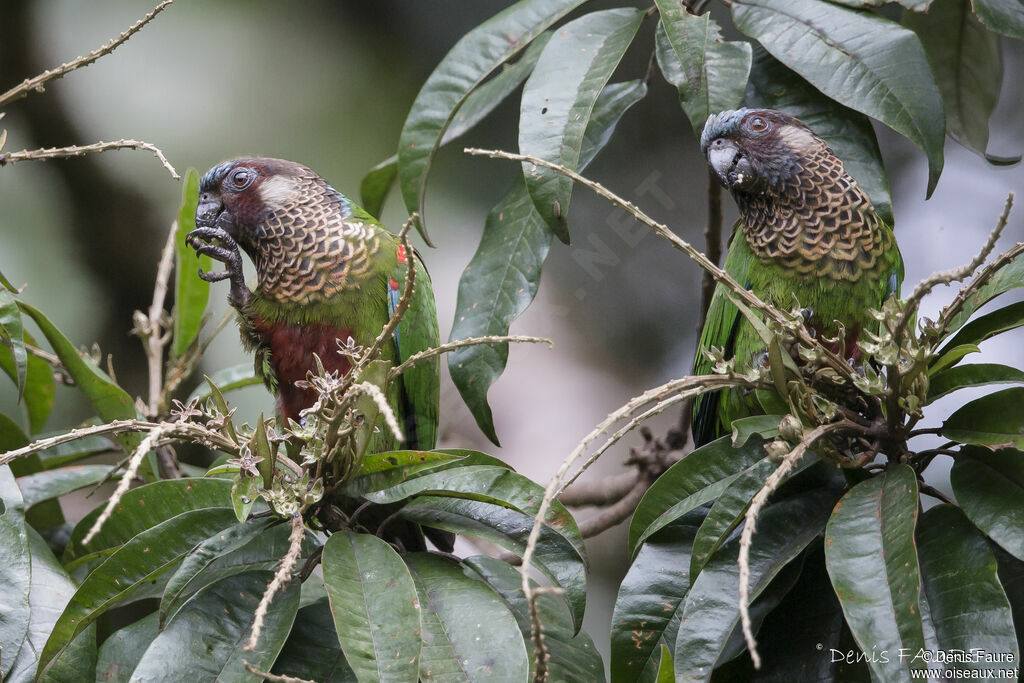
720	328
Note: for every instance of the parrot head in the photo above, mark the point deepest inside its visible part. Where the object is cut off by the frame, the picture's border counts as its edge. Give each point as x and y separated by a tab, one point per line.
758	151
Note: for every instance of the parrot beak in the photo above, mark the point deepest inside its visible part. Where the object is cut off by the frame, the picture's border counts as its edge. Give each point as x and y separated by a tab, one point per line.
211	213
729	163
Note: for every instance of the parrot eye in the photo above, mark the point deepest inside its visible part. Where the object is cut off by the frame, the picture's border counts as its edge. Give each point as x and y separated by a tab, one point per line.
242	178
758	124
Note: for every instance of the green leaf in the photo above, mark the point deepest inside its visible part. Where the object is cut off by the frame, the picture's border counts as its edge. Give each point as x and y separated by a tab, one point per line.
477	54
134	566
227	379
13	336
312	650
711	611
15	571
204	640
144	508
383	470
192	293
650	599
571	655
993	420
40	386
1002	16
55	483
989	325
952	357
962	376
469	634
709	73
989	486
696	479
244	492
121	652
73	451
556	557
502	278
967	64
1008	276
765	426
870	555
376	613
376	184
967	604
857	58
558	99
5	283
110	401
848	132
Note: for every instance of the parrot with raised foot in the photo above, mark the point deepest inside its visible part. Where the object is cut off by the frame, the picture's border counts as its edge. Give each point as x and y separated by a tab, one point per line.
807	233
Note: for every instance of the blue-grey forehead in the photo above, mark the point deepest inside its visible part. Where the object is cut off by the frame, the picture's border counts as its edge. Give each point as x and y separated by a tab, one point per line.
211	179
721	124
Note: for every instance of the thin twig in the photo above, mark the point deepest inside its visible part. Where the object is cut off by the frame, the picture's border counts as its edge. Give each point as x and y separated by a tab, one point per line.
617	513
273	678
45	153
712	245
154	339
36	83
460	343
281	578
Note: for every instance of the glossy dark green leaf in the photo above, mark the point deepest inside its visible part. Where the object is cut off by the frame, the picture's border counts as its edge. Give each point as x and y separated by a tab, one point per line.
709	73
145	507
1008	276
698	478
979	374
502	278
476	56
993	420
204	641
915	5
556	557
40	386
650	599
312	651
765	426
135	565
469	633
384	470
227	379
986	326
870	555
110	401
192	293
558	99
1002	16
15	571
571	655
848	132
12	334
375	608
710	614
54	483
967	604
121	652
376	184
1011	576
989	486
967	64
859	59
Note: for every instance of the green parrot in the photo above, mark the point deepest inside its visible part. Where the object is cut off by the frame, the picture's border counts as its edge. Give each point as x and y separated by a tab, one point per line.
806	233
328	273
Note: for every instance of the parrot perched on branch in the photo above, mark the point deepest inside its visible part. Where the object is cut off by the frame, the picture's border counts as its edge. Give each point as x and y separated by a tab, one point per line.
806	233
327	272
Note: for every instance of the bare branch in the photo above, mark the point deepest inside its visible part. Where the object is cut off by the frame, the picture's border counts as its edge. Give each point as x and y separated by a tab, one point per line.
617	513
712	245
154	339
273	678
46	153
36	83
598	493
281	578
460	343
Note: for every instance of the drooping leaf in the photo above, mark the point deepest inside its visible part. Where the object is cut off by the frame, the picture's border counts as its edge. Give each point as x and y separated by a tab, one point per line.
227	379
134	567
986	326
192	293
848	132
15	571
994	420
859	59
966	602
558	99
466	66
40	386
967	64
571	655
312	651
1002	16
13	337
121	652
502	278
709	72
962	376
469	633
871	558
989	486
55	483
375	608
376	184
204	640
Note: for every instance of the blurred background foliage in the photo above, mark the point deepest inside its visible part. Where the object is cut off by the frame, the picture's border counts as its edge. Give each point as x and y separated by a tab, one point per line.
329	84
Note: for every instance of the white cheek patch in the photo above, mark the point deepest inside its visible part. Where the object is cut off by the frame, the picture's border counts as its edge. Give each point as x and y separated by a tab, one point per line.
797	137
276	190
